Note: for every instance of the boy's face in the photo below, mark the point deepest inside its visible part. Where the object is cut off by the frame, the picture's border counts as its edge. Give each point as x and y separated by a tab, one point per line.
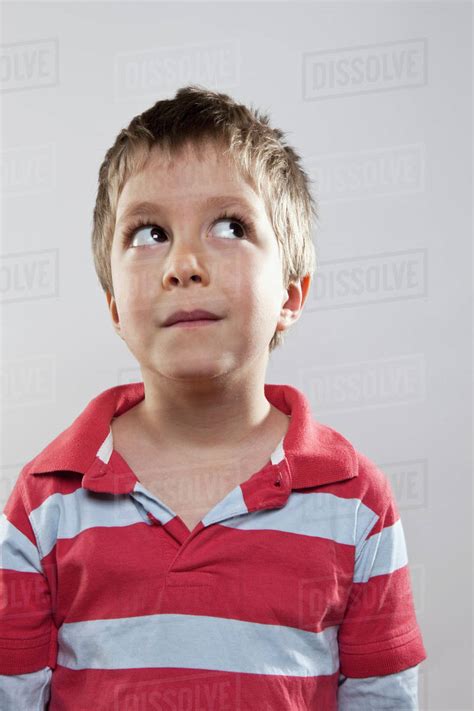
187	258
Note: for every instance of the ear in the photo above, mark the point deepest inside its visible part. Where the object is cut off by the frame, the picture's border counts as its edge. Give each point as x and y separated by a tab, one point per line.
112	306
295	296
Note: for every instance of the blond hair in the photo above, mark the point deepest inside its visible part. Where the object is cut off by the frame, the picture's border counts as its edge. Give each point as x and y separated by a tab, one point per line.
195	115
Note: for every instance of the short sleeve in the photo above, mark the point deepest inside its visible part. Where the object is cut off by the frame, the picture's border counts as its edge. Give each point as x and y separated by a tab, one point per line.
374	693
379	633
30	692
27	629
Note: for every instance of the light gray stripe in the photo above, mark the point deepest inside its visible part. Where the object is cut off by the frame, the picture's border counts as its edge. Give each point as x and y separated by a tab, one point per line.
17	552
398	692
152	503
67	515
382	553
316	514
197	642
233	504
29	691
279	453
105	450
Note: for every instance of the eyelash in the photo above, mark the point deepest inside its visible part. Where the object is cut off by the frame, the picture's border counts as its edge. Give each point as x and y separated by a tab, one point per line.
130	230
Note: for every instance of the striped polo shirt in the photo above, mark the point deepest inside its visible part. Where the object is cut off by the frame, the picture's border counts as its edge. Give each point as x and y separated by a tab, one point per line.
295	577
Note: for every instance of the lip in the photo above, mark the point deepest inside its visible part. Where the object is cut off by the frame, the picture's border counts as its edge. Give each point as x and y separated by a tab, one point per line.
195	323
200	315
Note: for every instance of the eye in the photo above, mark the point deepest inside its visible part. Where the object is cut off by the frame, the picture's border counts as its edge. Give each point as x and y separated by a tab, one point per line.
132	232
231	225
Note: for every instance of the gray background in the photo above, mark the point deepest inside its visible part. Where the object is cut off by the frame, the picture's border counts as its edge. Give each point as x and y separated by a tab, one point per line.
383	348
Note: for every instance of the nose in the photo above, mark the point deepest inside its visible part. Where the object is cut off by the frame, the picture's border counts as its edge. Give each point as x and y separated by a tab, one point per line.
183	269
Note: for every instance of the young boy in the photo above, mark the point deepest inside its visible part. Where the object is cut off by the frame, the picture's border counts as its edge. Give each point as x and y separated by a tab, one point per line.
198	540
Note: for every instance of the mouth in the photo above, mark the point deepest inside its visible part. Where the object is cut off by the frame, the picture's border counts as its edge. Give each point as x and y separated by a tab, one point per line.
194	323
196	315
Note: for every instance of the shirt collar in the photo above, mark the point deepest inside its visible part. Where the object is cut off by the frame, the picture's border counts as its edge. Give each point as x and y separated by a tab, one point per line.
315	453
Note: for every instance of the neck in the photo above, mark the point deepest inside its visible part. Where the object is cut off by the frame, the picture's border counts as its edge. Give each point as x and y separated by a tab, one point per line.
205	415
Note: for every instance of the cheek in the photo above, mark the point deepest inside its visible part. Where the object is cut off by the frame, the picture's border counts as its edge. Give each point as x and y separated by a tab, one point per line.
135	301
242	273
141	284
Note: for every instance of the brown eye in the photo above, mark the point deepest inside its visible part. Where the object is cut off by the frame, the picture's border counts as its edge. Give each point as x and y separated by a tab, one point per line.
230	228
155	232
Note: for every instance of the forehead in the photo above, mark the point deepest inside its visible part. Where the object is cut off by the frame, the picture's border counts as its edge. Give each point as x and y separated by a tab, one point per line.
192	176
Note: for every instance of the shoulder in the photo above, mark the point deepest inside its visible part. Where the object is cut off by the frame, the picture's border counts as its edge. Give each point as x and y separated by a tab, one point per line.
372	479
370	484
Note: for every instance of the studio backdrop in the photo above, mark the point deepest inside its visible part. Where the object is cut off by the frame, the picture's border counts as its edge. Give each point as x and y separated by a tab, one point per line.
376	97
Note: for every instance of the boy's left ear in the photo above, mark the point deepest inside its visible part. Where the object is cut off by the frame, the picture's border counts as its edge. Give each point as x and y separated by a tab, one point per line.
112	306
296	294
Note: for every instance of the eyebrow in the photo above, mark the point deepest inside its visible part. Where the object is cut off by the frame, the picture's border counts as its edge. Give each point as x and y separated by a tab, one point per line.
144	207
